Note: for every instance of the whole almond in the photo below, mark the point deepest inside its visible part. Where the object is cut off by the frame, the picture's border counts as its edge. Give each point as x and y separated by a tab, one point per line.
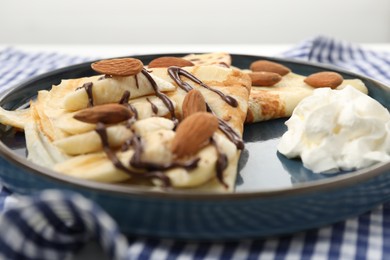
165	62
193	102
269	66
193	133
324	79
108	114
262	78
118	67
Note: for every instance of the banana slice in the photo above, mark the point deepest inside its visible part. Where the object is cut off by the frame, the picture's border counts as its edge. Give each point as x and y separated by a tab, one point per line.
110	90
95	167
90	142
157	146
205	171
72	126
152	124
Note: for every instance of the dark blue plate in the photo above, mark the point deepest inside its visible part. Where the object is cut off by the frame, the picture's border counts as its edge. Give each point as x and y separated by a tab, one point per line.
273	195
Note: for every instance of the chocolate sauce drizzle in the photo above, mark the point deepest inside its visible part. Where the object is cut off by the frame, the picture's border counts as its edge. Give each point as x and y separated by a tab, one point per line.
105	76
175	73
125	98
154	107
135	112
221	165
88	88
223	64
102	132
136	81
125	101
168	103
231	134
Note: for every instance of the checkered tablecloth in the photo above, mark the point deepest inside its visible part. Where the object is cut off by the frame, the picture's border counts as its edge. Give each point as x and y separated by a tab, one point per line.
54	224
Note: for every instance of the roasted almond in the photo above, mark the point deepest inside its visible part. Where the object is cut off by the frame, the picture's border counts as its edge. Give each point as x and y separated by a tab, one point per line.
325	79
108	114
262	78
118	67
269	66
165	62
193	102
193	133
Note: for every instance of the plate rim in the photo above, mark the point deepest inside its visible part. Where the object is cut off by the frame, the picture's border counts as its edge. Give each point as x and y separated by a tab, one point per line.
343	180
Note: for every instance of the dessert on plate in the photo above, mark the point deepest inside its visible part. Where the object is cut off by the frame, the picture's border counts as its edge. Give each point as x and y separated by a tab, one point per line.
175	123
163	125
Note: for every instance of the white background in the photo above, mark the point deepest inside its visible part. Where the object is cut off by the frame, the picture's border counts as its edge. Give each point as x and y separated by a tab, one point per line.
191	22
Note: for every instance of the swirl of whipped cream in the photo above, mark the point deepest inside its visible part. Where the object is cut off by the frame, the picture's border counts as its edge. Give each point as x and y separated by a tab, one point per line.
334	130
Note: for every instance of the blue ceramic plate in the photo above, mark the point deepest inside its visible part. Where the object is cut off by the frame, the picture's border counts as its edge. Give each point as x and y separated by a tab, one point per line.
273	195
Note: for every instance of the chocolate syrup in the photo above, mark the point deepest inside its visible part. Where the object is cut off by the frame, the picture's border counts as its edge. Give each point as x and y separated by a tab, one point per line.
125	101
105	76
167	102
175	73
88	88
231	134
102	132
224	64
221	165
135	112
136	80
154	107
125	98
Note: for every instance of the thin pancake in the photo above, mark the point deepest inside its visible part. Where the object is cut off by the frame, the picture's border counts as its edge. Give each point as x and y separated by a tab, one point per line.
278	101
266	103
79	149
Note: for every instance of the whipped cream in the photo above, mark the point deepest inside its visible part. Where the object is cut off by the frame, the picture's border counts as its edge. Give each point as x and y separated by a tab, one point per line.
333	130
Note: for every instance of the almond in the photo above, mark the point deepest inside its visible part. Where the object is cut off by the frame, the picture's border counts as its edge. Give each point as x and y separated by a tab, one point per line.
193	102
263	78
193	133
165	62
118	67
269	66
108	114
324	79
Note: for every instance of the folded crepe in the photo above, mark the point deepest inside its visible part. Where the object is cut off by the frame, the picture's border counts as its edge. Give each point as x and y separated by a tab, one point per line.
271	101
141	127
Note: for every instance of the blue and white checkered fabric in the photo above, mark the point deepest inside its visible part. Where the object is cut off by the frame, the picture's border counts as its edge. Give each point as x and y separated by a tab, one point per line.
345	55
16	66
54	225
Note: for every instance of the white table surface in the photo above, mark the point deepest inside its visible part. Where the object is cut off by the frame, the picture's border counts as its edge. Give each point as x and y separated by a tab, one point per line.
92	250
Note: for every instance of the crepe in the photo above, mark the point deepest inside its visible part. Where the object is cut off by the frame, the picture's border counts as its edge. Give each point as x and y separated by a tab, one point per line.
277	100
266	103
62	133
